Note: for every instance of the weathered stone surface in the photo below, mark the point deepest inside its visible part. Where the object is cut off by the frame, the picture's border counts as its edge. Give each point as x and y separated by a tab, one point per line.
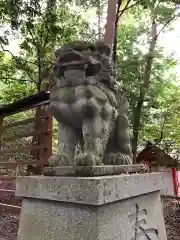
167	183
88	104
91	190
80	212
91	171
117	221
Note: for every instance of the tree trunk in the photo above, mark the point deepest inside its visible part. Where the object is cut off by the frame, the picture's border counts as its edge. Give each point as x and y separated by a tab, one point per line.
99	15
110	23
115	32
145	85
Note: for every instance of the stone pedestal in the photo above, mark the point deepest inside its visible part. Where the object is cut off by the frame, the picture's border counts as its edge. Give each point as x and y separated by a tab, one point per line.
124	207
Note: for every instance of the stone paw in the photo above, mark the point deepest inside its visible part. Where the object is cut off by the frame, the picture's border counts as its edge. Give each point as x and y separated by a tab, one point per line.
88	159
59	160
118	159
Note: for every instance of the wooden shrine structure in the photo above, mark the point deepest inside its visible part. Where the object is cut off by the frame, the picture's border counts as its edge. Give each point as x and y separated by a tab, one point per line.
158	160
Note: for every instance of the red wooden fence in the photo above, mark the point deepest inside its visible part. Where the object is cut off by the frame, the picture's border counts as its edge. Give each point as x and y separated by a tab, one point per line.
25	143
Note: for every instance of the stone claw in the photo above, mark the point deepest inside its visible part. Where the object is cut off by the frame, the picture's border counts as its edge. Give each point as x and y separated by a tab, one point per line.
59	160
88	159
118	159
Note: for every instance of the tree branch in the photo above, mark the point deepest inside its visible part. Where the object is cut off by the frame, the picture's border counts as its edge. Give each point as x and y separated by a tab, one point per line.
165	25
160	1
115	32
32	36
124	9
14	57
161	132
5	50
128	7
47	35
117	13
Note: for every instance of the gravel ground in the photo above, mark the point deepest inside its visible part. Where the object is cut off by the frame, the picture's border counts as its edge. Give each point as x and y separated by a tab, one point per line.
8	225
172	219
9	222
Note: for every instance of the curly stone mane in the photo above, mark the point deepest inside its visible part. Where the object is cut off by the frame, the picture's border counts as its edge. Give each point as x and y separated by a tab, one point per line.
87	103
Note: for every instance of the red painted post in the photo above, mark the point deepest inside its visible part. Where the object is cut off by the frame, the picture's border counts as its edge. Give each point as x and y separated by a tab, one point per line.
110	23
1	124
175	181
46	136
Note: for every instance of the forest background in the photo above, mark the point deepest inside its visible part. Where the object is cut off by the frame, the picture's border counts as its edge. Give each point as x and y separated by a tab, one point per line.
146	55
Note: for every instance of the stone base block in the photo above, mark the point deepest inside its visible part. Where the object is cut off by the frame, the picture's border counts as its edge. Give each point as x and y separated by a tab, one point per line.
94	208
91	171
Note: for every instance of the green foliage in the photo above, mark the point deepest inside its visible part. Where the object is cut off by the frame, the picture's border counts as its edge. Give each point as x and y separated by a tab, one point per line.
159	113
15	92
166	13
42	27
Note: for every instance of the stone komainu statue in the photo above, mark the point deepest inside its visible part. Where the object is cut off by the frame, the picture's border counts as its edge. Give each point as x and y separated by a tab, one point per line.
86	102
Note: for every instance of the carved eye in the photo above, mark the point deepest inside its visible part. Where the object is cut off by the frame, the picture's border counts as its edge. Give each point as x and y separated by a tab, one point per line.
153	153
